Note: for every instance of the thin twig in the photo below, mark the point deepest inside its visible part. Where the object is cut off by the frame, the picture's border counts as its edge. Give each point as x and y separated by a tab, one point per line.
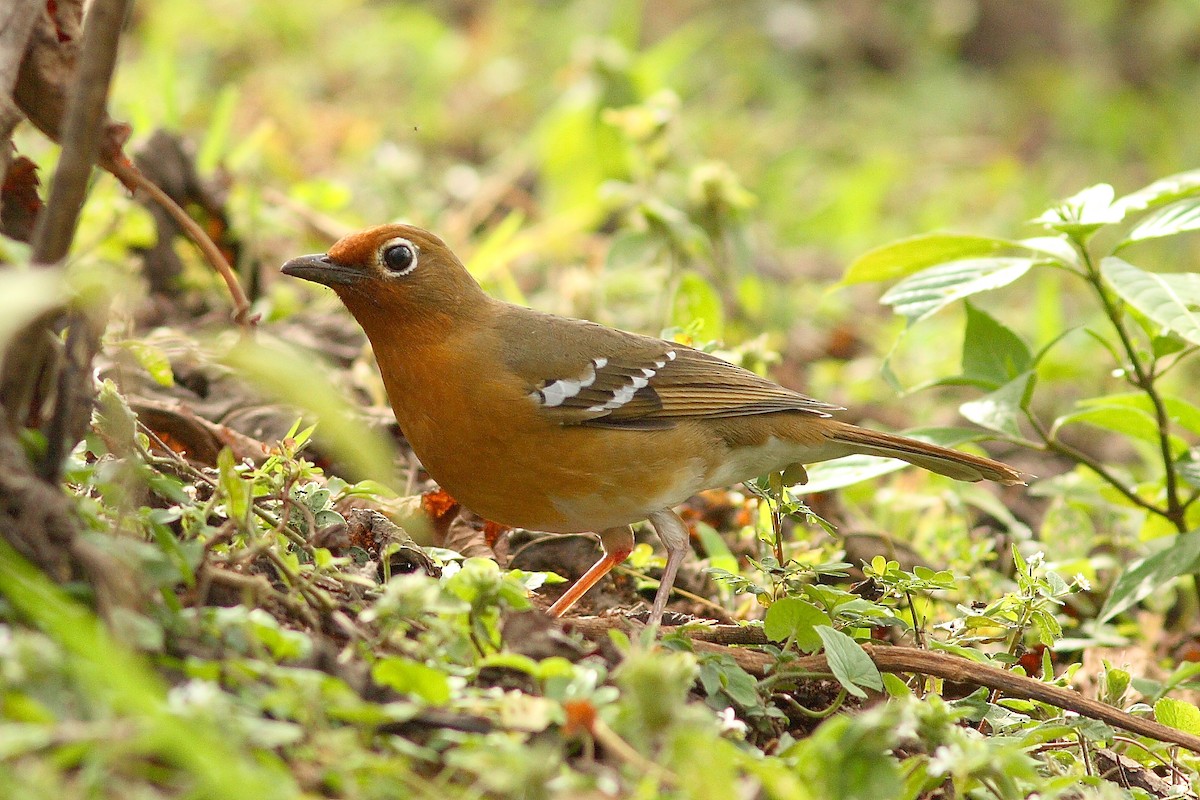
1055	445
132	177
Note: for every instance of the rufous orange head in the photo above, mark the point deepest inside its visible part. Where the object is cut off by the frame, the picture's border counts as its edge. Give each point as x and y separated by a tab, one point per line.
393	275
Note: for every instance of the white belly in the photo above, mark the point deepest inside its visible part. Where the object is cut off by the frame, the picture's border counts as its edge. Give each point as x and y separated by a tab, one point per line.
747	463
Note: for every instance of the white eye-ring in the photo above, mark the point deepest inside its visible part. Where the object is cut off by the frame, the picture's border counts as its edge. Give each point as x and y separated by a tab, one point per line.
398	256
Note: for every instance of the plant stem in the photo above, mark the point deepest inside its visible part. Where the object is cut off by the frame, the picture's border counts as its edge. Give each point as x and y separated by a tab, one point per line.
1143	379
1055	446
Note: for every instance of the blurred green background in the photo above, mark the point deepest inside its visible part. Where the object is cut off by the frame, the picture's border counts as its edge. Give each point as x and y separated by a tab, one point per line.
658	164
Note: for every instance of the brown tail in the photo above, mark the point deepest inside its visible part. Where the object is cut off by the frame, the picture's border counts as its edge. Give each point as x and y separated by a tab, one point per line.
942	460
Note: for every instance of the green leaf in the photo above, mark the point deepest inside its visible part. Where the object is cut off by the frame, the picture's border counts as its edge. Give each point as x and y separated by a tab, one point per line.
236	490
1130	422
903	258
1179	556
1175	218
1168	299
114	419
153	360
993	354
720	673
1178	714
1133	414
413	677
931	290
1085	212
792	616
1166	344
1056	247
715	549
1188	468
1000	410
214	761
1162	191
849	663
846	471
696	299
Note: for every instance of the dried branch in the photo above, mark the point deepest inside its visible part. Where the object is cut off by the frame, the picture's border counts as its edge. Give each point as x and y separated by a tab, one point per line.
132	177
17	19
939	665
82	131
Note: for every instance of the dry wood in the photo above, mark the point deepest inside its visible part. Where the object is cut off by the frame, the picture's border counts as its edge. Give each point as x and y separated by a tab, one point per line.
925	662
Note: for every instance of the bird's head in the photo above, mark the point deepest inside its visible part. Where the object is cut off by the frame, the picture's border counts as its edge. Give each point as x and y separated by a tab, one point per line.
394	277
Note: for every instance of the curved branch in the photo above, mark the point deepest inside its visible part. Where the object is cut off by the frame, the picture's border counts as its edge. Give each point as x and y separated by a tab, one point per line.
133	178
939	665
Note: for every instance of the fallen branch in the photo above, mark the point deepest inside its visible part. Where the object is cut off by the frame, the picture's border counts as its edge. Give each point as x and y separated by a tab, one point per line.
925	662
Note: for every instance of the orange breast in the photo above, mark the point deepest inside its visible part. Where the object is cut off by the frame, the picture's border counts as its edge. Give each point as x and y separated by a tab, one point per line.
485	442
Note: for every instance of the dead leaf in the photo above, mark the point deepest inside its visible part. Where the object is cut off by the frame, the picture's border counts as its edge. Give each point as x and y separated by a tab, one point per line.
20	202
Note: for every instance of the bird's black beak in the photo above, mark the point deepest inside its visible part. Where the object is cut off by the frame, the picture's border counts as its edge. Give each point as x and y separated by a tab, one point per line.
319	268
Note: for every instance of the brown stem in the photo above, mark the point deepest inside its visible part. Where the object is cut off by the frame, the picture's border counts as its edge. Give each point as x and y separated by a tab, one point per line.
31	356
132	177
81	132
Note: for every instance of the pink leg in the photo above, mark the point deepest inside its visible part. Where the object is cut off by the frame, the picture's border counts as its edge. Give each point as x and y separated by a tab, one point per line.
674	536
618	544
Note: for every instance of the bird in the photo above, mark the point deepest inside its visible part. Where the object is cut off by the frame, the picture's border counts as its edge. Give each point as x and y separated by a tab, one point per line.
562	425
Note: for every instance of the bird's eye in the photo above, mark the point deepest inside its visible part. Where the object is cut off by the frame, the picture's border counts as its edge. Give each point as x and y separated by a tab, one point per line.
399	257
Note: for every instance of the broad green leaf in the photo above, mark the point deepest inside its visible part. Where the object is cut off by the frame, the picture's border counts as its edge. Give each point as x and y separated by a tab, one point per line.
1085	212
1170	300
900	259
847	471
413	677
1129	421
1179	411
1175	218
1000	410
1178	714
1166	344
1162	191
715	549
849	663
720	673
931	290
792	616
993	354
1180	555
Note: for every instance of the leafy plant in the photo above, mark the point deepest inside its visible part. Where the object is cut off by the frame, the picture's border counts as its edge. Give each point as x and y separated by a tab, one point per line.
1150	330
